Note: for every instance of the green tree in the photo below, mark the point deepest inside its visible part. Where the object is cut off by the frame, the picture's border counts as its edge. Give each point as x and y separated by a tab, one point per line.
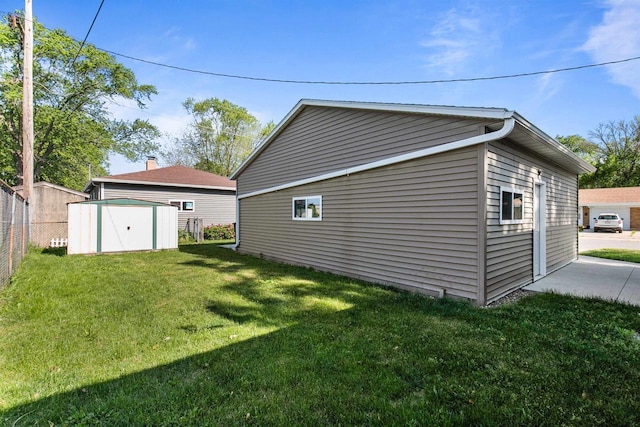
614	149
220	137
73	129
619	143
584	148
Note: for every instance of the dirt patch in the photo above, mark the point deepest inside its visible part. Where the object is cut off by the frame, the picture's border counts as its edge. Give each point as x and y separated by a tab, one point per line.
511	298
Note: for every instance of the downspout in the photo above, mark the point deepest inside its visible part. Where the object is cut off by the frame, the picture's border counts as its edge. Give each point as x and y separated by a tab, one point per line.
483	172
235	246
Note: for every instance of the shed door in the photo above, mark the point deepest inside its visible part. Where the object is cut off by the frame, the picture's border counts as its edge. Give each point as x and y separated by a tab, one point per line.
539	231
127	228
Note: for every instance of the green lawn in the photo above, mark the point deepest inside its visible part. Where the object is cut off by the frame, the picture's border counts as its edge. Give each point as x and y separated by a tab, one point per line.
629	255
204	336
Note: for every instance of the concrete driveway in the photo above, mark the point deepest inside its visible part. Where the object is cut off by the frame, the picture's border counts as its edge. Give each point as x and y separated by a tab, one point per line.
594	277
588	240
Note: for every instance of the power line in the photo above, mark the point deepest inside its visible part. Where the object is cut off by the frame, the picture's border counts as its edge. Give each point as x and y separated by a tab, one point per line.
352	83
379	83
88	31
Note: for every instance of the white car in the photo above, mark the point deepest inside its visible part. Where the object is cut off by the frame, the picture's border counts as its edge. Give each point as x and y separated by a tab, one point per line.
608	221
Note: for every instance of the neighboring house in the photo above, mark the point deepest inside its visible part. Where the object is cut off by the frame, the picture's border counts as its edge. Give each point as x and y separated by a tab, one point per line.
196	194
468	202
50	216
625	201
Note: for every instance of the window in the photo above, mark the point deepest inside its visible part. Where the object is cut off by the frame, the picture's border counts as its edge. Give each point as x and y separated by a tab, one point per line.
307	208
511	206
183	205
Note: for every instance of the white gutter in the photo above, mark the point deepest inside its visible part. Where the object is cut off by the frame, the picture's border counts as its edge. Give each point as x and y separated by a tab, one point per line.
506	129
160	184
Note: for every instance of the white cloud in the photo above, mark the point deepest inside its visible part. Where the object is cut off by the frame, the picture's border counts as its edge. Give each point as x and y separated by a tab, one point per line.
618	37
458	37
547	86
168	122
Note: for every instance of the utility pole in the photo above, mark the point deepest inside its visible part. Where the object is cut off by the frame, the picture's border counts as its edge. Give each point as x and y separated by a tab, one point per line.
27	109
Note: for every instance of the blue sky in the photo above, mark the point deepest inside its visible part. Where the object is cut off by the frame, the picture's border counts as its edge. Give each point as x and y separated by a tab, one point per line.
370	41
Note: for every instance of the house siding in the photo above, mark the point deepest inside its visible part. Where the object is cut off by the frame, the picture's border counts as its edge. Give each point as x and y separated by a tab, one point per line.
325	139
510	247
214	206
412	225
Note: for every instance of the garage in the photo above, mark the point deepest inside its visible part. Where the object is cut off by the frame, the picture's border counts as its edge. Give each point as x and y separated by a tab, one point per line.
634	219
121	225
624	201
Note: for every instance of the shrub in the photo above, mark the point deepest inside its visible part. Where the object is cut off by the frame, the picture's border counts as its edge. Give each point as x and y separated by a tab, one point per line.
581	228
184	236
220	232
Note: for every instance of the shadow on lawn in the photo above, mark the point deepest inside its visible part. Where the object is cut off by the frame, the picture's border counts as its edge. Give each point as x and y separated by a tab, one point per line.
276	294
396	359
55	251
387	358
204	249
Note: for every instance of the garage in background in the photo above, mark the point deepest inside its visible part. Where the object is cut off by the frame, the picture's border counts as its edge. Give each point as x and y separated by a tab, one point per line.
624	201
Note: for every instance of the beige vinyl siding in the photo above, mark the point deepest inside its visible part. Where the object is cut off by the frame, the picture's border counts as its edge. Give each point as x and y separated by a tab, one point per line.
325	139
562	219
412	225
510	247
214	206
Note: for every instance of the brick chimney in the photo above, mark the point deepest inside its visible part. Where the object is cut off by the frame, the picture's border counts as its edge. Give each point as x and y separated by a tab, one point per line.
151	163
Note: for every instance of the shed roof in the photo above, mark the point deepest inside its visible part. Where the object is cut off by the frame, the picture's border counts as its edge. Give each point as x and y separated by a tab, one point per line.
18	188
524	132
617	195
121	202
171	176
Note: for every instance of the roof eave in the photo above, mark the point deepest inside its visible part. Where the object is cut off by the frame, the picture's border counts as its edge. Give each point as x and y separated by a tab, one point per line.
162	184
566	156
580	165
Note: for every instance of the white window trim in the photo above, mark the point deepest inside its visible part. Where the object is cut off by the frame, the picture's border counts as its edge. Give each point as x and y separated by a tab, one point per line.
181	204
512	190
305	198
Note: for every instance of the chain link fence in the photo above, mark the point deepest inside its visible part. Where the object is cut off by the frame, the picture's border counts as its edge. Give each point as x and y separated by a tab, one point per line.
14	231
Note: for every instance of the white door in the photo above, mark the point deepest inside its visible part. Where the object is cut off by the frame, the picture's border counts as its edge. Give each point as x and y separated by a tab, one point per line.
539	231
127	228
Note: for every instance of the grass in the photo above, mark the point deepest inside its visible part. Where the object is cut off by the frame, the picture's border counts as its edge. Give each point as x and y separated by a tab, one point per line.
204	336
629	255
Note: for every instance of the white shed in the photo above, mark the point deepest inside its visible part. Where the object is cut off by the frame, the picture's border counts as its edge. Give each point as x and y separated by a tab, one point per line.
121	225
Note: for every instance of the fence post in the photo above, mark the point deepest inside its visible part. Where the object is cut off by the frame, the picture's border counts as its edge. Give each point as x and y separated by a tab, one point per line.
25	220
11	226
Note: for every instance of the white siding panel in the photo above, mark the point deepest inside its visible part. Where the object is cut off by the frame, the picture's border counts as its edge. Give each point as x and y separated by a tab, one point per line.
82	229
166	227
